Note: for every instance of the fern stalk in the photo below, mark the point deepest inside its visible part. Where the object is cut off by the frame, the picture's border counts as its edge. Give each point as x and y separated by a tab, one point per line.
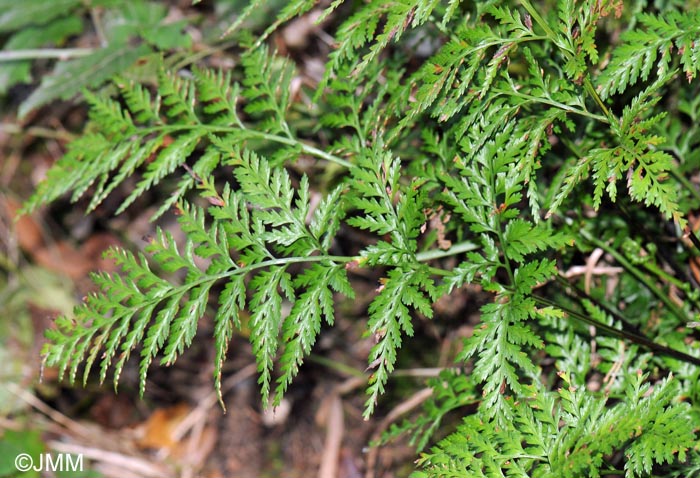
648	283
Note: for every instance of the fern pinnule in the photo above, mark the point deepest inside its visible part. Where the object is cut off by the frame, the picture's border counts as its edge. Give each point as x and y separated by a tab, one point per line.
266	86
178	97
139	101
218	95
266	320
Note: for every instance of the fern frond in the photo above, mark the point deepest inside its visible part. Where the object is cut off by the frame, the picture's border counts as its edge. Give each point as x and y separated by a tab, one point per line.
390	319
443	162
117	122
139	102
266	320
466	68
371	29
651	46
647	169
303	324
500	357
165	130
138	307
522	238
390	208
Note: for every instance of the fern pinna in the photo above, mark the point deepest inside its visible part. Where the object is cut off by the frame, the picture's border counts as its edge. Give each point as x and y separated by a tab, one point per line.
498	133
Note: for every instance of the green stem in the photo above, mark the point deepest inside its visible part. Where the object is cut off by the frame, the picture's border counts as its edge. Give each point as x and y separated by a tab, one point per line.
205	279
663	275
438	272
506	261
335	365
590	89
308	149
38	131
459	248
621	334
312	150
538	19
638	275
556	104
34	54
684	181
285	261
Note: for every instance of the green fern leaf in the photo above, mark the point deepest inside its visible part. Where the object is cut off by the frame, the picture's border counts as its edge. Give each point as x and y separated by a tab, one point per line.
390	319
266	86
266	320
219	96
139	101
178	97
303	324
652	46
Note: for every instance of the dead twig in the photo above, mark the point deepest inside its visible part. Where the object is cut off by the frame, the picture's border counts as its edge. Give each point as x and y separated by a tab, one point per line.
123	462
401	409
335	428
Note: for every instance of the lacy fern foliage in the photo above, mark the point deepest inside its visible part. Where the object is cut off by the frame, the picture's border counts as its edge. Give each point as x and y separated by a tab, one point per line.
139	306
524	141
567	434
